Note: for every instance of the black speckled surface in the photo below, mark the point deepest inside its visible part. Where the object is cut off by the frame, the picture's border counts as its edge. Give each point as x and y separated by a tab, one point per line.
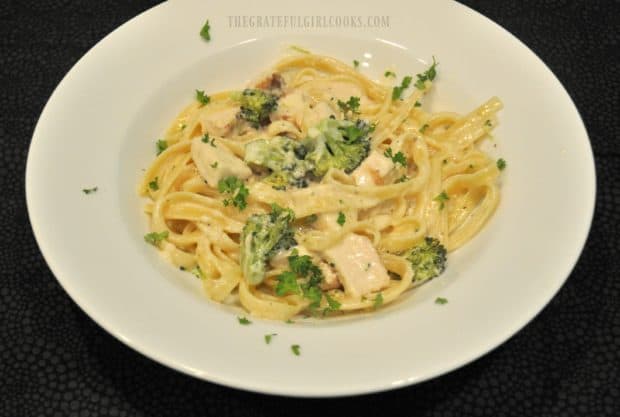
54	361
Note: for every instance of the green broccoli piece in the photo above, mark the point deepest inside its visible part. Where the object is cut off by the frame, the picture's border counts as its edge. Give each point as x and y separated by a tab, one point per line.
428	259
284	159
262	237
256	105
341	144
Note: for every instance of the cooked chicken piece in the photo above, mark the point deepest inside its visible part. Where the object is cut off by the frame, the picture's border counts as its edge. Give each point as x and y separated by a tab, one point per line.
373	169
359	266
302	110
217	162
220	122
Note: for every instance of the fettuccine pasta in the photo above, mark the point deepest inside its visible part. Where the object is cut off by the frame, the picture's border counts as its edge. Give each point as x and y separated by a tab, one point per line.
316	189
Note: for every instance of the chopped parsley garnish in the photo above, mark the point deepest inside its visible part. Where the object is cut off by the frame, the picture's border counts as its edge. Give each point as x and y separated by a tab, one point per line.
90	190
389	74
403	179
302	266
296	350
204	32
197	272
161	146
398	91
488	123
417	104
237	190
399	158
378	301
441	198
423	128
501	164
268	337
441	300
207	139
356	63
154	238
428	75
202	98
352	105
332	303
153	185
182	126
341	218
287	284
213	165
244	321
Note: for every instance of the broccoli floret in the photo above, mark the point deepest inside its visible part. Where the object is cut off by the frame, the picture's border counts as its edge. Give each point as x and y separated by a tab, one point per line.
262	237
428	259
256	105
340	144
284	159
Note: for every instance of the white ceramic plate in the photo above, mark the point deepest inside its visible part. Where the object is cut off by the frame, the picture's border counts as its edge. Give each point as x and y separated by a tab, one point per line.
100	125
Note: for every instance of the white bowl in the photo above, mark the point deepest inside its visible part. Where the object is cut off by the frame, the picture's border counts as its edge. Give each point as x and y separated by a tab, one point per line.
99	129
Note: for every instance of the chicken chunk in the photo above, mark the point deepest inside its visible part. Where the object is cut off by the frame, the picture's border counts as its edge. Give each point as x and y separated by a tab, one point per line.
220	122
373	169
302	110
217	162
359	266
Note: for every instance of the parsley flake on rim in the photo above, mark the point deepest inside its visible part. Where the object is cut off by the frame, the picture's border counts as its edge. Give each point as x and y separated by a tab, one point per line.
204	32
296	350
243	321
501	164
90	190
441	300
269	336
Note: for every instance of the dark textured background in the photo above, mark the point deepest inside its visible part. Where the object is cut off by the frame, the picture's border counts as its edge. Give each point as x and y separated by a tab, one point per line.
55	361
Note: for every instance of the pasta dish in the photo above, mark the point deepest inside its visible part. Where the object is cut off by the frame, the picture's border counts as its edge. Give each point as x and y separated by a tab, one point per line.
316	190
